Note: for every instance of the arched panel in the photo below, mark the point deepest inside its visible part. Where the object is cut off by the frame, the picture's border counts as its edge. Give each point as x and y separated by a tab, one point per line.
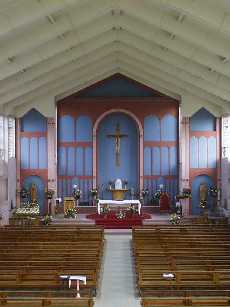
194	154
42	153
152	128
147	161
66	128
117	159
88	161
79	161
33	121
33	153
164	161
84	129
156	161
169	128
203	152
62	161
70	161
25	153
173	161
212	152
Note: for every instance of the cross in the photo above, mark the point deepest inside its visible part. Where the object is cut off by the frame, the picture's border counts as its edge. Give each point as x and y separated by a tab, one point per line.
117	136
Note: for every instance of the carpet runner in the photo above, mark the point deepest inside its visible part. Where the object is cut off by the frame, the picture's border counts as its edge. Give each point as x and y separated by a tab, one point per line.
111	221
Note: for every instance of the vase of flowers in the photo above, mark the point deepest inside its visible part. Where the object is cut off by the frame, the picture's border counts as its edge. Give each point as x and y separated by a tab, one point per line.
24	193
175	219
213	191
120	214
71	213
76	193
47	220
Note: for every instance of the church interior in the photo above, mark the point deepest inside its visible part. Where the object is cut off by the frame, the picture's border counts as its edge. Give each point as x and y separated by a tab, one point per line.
114	153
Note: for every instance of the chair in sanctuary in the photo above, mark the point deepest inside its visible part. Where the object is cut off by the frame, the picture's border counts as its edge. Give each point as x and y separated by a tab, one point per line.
164	202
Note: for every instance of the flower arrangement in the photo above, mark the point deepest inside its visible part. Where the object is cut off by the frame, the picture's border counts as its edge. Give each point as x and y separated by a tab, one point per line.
28	209
49	194
24	193
47	219
144	192
94	193
71	213
105	209
76	193
120	215
133	209
175	219
186	193
213	191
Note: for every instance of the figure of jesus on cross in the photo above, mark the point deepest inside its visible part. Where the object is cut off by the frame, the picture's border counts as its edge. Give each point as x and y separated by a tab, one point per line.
117	136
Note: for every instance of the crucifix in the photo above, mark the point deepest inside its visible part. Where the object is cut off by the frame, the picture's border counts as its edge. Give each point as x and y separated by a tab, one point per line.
117	136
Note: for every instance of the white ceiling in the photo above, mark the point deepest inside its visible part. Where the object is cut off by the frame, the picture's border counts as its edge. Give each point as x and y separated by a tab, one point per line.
53	47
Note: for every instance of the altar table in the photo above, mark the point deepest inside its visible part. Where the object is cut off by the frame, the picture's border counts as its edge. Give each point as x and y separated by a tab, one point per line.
120	203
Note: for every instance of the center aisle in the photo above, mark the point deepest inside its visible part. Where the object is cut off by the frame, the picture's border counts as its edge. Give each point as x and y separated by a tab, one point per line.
118	277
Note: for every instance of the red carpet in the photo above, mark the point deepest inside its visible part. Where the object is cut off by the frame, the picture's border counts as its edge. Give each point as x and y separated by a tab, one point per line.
110	220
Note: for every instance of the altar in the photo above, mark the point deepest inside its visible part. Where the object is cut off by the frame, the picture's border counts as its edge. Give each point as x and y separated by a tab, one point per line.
118	203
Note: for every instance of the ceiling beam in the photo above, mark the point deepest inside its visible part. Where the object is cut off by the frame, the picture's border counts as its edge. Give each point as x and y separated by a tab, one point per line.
180	47
40	70
190	32
55	47
75	75
162	75
205	12
86	60
43	32
24	13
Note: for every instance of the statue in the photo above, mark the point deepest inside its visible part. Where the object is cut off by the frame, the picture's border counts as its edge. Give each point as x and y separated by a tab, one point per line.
33	193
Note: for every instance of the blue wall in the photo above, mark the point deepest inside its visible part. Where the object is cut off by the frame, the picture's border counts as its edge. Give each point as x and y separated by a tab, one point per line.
128	169
203	120
160	160
33	121
33	147
75	160
118	86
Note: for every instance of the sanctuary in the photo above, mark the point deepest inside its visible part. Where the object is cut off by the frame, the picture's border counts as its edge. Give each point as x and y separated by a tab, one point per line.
119	139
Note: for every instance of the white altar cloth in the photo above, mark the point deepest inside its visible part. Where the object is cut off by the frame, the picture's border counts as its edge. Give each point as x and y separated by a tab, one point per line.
119	203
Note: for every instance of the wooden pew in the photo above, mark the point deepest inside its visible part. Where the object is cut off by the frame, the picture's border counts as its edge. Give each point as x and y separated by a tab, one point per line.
53	302
198	256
